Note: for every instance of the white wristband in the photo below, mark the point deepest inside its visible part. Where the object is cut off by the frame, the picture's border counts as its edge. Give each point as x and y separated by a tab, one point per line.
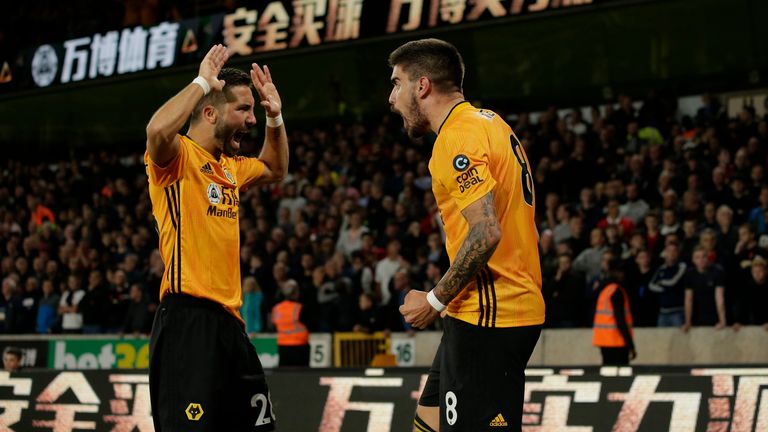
275	122
203	83
432	299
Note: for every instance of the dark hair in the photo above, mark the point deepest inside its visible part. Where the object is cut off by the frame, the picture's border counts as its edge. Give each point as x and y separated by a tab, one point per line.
12	350
432	58
232	78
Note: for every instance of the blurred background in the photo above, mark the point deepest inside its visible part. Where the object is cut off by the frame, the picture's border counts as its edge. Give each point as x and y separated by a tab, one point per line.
645	122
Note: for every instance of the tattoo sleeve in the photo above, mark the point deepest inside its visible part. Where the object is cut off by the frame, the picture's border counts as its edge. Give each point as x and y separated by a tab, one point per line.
475	251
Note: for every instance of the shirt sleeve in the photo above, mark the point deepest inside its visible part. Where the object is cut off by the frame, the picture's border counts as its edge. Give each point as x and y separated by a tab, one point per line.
688	280
248	169
461	162
164	176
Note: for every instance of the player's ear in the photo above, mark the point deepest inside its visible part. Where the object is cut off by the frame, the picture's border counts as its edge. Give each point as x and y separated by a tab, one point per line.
210	114
423	86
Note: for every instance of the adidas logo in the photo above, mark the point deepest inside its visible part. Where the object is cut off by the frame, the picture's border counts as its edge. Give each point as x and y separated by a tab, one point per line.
499	421
206	169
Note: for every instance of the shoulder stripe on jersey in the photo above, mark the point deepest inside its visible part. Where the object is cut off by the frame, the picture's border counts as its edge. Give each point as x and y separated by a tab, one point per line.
479	283
493	293
177	200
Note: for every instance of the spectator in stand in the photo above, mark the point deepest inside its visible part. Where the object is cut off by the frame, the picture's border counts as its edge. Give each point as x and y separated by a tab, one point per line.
361	274
564	295
12	357
644	302
653	237
47	312
727	236
95	304
689	241
369	315
29	299
751	299
71	317
351	233
635	208
386	269
669	223
401	285
613	217
588	261
138	320
252	303
668	283
704	293
562	230
757	216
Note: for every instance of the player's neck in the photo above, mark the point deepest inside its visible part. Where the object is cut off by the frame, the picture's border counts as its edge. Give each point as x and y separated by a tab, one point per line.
441	108
206	140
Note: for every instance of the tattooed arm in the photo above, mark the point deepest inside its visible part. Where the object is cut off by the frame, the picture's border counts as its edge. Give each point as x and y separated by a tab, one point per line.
481	241
483	237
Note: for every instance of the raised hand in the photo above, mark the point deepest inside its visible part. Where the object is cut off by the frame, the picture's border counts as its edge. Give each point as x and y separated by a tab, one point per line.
212	64
270	98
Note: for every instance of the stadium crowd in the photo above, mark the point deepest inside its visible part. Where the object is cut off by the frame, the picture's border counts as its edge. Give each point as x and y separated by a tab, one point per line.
681	202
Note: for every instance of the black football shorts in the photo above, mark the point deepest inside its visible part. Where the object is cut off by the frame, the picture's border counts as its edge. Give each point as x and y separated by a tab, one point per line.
478	376
204	374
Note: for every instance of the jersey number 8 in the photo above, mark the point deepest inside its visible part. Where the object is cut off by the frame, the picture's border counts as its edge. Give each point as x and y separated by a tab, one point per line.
527	179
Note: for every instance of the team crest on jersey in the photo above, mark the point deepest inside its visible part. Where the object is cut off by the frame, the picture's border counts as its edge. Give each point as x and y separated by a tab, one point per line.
461	163
214	193
228	175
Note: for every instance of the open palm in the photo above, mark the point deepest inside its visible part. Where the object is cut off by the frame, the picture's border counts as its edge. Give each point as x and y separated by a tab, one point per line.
270	98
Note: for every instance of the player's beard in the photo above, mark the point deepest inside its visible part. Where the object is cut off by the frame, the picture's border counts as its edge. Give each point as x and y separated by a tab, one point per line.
226	135
415	122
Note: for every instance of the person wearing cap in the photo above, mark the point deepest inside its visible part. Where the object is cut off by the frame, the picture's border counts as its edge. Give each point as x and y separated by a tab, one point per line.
750	302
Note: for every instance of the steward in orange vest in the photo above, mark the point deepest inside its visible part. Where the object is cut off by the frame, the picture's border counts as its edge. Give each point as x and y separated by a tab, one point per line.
292	334
612	328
